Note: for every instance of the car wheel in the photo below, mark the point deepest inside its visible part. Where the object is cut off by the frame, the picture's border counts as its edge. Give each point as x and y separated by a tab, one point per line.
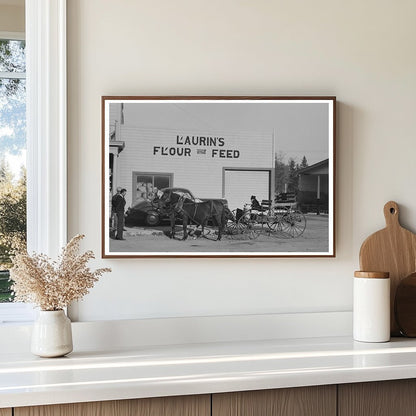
152	218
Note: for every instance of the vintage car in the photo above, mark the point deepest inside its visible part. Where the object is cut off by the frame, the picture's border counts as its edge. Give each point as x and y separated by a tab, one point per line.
145	212
142	213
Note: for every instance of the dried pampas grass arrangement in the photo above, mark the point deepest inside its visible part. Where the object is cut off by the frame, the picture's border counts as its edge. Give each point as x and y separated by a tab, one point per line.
53	285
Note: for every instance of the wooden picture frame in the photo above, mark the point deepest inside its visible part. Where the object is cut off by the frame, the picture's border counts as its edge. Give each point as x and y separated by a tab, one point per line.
190	167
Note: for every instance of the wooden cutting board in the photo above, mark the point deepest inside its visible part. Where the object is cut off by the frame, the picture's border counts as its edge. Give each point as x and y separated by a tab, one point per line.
392	250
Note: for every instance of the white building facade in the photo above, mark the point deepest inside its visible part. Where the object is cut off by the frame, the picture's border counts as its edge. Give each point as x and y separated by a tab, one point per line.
211	164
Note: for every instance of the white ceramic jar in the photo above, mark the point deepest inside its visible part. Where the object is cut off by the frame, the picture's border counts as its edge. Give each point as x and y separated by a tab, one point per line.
371	307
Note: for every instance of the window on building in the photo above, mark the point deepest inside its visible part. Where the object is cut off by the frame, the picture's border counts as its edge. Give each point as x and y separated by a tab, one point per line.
146	185
12	156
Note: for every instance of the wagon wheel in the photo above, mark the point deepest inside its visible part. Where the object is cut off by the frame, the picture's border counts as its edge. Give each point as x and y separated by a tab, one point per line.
294	224
277	224
236	230
248	226
231	227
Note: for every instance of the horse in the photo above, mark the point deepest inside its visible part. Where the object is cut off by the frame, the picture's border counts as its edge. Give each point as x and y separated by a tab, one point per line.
190	211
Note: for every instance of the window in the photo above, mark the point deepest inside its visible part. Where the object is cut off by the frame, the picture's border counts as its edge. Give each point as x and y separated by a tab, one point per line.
146	185
46	136
12	155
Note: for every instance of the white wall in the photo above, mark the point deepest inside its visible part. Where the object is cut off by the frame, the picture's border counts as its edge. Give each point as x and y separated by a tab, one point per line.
361	51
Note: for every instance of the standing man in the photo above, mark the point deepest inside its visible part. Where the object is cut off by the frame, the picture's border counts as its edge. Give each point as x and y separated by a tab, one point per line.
113	222
118	204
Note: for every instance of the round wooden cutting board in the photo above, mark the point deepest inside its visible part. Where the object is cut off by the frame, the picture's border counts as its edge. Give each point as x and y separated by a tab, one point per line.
392	250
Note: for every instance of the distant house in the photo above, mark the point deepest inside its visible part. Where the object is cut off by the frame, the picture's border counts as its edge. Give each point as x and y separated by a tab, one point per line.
313	187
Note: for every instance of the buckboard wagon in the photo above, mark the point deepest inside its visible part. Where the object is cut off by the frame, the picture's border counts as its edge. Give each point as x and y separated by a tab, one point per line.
278	219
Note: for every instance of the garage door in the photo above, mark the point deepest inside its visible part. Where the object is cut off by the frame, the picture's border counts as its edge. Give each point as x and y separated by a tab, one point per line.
241	184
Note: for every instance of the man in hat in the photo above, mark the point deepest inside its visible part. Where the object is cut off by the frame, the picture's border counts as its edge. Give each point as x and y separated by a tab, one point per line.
118	203
113	217
254	203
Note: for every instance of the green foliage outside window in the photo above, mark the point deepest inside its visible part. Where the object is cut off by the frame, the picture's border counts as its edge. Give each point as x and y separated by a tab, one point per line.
12	224
12	147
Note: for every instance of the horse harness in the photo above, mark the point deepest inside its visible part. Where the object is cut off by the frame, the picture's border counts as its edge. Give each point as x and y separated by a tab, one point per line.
180	204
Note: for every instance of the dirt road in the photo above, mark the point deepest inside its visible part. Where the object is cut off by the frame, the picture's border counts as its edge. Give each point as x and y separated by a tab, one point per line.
156	240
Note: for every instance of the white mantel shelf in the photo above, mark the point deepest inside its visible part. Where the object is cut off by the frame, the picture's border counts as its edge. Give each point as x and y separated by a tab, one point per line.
151	371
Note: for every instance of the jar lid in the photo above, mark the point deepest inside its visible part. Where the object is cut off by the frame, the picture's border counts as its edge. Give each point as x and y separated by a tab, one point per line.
372	275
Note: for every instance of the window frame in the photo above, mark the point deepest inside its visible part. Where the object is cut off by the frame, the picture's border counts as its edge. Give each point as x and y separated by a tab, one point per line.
46	125
46	121
12	35
137	174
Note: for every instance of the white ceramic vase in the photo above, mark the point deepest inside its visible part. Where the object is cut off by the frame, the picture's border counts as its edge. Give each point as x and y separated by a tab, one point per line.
52	334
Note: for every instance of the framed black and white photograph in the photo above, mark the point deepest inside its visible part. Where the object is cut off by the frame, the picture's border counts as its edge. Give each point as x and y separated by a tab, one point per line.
218	176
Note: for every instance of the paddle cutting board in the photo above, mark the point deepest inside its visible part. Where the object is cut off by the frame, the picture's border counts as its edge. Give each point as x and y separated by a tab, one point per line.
392	250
